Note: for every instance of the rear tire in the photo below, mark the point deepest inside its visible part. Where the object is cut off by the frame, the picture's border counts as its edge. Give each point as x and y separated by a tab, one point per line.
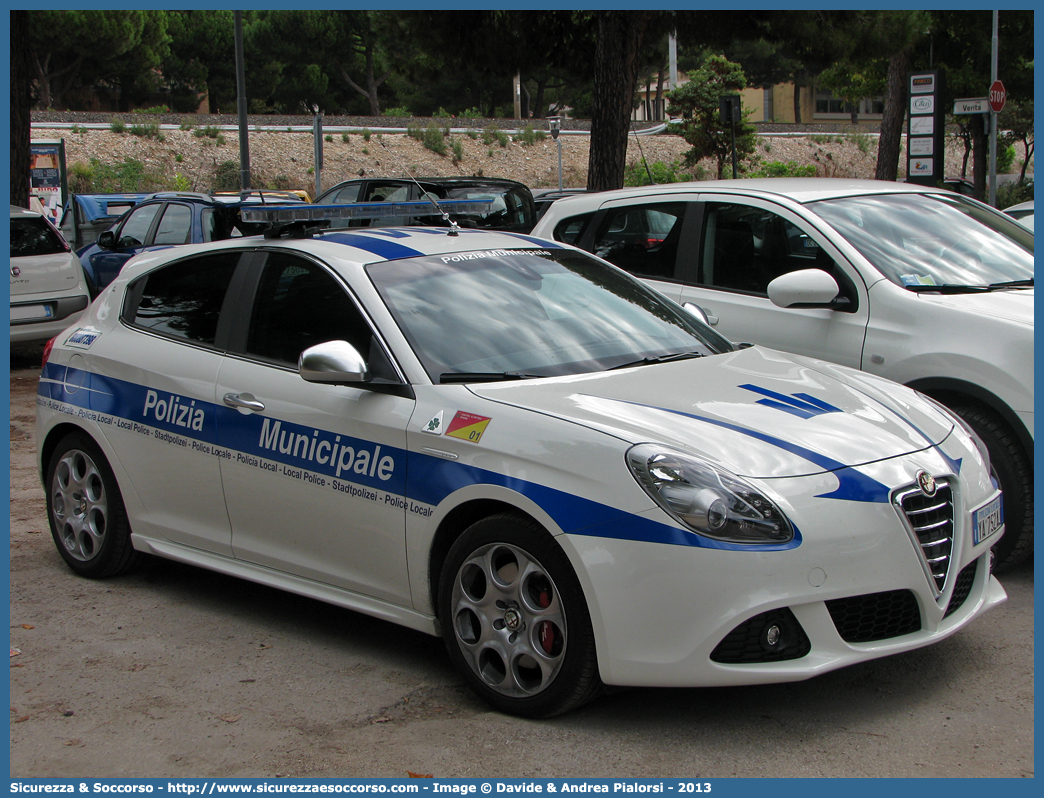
85	510
515	621
1014	471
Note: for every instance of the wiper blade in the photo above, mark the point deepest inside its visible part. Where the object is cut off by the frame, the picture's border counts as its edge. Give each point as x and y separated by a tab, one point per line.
457	377
646	361
948	288
1014	284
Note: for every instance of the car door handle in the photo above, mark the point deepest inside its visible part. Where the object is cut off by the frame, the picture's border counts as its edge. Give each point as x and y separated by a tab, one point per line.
244	401
711	318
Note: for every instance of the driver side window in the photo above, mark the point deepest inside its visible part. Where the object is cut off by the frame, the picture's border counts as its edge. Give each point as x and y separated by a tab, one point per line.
299	304
135	230
745	248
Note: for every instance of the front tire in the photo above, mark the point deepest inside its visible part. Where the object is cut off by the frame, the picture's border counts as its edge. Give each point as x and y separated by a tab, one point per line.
85	510
515	620
1014	471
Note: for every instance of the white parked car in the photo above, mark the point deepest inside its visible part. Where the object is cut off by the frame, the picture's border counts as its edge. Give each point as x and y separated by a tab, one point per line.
48	289
1023	212
514	445
919	285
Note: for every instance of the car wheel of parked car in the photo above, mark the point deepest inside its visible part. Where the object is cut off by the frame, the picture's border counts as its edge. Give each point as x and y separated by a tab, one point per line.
85	510
1015	474
515	620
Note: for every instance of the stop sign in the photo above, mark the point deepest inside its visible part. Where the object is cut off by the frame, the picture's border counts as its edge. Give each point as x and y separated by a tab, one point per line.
998	96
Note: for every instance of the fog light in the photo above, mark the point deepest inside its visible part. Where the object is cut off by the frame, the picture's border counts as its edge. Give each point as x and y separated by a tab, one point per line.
772	636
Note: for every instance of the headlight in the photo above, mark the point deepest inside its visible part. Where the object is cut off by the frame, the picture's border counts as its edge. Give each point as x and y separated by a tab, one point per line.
964	425
707	499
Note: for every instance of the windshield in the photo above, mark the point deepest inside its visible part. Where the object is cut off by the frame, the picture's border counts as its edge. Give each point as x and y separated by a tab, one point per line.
919	240
532	312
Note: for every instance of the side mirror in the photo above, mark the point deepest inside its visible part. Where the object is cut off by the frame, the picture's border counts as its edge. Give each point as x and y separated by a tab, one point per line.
808	287
697	311
333	362
107	240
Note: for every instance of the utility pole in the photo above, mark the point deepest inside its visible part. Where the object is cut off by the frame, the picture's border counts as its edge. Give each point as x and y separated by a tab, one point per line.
241	104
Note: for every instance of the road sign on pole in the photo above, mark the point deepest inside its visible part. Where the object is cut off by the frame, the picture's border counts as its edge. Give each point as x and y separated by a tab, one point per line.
998	96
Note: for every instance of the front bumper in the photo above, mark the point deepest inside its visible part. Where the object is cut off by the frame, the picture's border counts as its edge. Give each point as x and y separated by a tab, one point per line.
854	589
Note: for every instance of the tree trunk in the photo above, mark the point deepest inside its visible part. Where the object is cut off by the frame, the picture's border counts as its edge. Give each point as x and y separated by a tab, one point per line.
21	99
539	106
889	145
615	74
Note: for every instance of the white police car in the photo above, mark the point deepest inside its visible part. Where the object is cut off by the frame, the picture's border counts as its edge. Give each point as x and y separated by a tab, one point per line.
513	444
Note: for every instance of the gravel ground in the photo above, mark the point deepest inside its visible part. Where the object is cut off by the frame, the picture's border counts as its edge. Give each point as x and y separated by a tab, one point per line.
285	159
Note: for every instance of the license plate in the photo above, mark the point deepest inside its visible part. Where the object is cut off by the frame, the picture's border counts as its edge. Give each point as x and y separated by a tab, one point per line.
25	312
987	520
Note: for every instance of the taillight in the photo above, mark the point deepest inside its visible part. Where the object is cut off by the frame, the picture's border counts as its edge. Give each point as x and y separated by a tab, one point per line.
47	351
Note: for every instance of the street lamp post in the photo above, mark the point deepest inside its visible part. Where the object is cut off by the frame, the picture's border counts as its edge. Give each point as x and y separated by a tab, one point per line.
556	128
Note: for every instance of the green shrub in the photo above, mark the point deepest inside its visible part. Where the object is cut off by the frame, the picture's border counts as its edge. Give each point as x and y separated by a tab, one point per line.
366	134
156	109
396	112
528	136
494	134
434	139
471	113
458	151
1013	193
117	126
328	138
178	157
186	124
780	169
1005	158
863	141
220	140
102	178
637	174
181	183
345	137
149	131
415	132
365	150
281	183
227	177
473	134
208	132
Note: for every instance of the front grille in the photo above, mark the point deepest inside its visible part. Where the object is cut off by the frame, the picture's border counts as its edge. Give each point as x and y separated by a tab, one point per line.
748	642
962	587
930	520
875	616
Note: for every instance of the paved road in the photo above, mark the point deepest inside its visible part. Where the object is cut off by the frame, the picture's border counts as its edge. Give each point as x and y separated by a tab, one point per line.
177	672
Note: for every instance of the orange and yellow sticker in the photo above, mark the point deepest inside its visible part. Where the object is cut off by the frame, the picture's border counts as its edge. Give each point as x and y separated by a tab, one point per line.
467	426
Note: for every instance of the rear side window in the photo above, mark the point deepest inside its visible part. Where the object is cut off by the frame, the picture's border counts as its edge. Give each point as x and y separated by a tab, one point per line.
570	230
642	239
33	236
184	299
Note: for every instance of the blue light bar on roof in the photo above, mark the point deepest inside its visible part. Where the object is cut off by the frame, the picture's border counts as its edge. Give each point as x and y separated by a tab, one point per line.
287	214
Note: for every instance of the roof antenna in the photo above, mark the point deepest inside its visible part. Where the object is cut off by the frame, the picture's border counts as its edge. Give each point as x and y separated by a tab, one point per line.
454	228
644	162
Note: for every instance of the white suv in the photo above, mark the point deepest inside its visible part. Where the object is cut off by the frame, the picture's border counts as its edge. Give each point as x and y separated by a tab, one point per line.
919	285
48	289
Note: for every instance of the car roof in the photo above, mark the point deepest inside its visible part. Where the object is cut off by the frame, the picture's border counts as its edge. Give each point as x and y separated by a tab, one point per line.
361	246
797	189
18	212
1022	206
502	182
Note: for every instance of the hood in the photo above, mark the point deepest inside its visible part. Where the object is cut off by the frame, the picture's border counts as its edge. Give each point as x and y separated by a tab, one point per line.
1013	305
758	412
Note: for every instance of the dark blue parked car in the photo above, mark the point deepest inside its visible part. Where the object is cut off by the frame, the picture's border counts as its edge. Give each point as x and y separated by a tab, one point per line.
169	219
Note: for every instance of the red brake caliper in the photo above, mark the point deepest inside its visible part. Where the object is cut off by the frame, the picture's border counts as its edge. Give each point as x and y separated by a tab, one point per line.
547	630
